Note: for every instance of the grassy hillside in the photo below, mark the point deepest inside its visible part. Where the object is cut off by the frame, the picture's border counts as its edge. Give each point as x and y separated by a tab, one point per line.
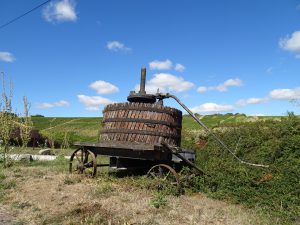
66	123
274	189
223	119
84	129
87	129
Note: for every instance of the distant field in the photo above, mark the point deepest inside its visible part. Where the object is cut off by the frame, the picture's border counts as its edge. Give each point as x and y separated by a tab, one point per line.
88	128
68	123
223	119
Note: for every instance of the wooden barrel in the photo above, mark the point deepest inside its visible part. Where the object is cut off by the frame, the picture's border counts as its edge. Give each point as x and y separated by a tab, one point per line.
141	122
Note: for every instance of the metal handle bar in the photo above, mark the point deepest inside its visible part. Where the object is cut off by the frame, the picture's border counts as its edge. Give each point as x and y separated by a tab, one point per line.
162	96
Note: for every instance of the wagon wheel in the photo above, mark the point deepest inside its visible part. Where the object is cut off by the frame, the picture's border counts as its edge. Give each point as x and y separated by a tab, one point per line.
187	176
83	162
165	179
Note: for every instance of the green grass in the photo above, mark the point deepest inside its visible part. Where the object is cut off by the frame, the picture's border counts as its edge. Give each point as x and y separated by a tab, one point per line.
90	125
87	129
274	189
5	185
223	120
42	123
81	129
60	164
78	128
212	120
268	140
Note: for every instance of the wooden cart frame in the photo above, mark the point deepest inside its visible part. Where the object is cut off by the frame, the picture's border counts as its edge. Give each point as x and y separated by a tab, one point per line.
162	161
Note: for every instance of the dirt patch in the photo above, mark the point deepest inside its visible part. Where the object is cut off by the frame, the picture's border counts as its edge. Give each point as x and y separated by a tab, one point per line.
42	196
5	216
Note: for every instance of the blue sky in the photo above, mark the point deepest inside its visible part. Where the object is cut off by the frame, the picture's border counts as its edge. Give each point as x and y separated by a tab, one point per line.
70	58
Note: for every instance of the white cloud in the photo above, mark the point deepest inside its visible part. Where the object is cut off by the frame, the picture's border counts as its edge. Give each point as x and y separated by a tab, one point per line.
61	103
291	43
229	83
93	103
60	11
202	89
222	87
47	105
179	67
208	108
276	94
161	65
285	94
251	101
92	108
259	114
166	82
103	87
116	46
6	57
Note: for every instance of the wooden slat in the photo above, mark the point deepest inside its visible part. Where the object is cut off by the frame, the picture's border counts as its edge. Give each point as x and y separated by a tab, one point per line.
136	117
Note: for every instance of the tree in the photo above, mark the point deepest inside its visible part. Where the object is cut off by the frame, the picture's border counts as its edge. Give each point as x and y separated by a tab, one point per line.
9	122
26	125
7	119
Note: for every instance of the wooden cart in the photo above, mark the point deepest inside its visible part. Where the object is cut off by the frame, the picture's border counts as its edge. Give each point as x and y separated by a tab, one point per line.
161	161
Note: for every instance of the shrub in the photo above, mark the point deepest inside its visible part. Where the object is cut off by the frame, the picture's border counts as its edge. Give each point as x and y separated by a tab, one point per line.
37	115
275	189
159	200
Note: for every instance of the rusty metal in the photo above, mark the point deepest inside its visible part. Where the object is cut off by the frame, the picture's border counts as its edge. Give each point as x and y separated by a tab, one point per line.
146	121
142	96
142	132
143	81
83	161
145	107
165	178
176	151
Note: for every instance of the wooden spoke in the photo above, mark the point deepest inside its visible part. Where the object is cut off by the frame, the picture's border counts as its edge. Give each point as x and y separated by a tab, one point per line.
168	174
165	178
85	162
77	158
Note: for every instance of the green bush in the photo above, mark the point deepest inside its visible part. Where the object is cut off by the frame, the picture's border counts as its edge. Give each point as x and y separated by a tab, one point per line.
275	189
159	200
60	137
